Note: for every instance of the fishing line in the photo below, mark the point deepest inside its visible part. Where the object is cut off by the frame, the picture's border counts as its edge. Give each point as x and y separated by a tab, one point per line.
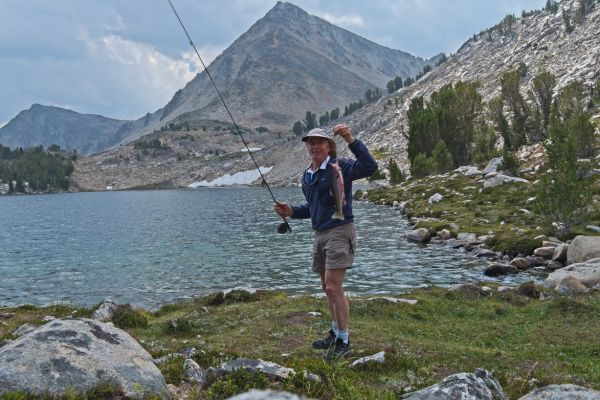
285	226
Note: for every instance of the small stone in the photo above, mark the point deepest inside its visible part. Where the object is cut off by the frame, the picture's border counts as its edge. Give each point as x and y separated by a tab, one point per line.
545	252
314	314
312	377
436	198
193	372
520	263
48	318
377	358
502	289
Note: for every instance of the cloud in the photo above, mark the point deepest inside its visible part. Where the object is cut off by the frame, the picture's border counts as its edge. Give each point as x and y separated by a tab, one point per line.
346	21
141	74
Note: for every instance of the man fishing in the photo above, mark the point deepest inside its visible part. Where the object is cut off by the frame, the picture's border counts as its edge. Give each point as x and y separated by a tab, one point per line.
327	187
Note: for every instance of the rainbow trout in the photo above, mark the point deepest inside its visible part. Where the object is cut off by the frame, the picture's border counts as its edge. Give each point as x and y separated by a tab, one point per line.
337	190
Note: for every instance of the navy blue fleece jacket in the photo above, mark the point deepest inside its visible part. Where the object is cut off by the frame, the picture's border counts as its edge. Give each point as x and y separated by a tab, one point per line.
320	204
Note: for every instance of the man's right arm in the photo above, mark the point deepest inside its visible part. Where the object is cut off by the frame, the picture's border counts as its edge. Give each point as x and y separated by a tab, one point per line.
296	212
299	212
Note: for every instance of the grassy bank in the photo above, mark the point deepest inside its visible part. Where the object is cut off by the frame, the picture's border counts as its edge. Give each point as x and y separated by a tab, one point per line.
524	341
506	211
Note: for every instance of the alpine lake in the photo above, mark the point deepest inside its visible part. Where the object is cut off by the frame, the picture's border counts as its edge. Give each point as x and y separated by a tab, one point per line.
148	248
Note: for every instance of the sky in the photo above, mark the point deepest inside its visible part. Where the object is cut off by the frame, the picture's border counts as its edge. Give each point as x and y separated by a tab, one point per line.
124	58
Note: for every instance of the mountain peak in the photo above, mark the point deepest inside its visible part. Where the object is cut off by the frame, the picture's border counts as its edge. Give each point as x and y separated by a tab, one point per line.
286	11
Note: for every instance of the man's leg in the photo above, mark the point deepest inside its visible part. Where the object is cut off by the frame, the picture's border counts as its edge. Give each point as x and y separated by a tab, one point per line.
333	281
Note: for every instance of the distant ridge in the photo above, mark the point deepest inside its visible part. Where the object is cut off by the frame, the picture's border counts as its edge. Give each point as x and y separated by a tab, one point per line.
46	125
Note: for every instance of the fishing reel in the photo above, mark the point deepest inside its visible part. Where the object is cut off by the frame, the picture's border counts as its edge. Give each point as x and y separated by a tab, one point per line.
284	227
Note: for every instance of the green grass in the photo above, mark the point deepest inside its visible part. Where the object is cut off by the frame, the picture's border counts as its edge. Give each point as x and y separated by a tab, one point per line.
517	337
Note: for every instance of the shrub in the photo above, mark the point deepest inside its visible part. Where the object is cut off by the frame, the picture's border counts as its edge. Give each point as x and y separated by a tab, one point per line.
513	245
128	317
421	166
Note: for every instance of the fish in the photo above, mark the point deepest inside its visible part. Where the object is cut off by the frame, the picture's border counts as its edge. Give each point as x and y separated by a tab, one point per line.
337	190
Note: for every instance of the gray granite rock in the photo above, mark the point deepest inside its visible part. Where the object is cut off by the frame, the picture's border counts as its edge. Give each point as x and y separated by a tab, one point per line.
106	311
583	248
587	273
571	286
377	358
420	235
562	392
78	354
193	372
480	385
270	369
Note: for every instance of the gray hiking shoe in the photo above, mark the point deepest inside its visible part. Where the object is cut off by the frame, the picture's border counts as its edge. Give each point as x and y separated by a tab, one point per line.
326	342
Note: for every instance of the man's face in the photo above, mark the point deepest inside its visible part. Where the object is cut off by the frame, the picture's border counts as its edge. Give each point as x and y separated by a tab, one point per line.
318	148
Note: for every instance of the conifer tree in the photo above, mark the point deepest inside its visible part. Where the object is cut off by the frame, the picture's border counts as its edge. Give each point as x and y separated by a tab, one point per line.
396	176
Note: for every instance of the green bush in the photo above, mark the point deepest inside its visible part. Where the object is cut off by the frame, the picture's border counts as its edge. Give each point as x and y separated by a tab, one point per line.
513	245
421	166
128	317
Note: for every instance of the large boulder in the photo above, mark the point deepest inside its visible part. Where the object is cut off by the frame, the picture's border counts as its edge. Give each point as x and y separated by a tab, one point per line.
587	273
559	392
583	248
492	165
499	180
464	386
78	354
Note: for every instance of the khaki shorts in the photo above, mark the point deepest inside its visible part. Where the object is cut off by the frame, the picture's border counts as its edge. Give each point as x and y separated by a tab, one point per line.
334	248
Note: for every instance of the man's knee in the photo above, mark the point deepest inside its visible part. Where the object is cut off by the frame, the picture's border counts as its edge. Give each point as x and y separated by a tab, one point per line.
332	288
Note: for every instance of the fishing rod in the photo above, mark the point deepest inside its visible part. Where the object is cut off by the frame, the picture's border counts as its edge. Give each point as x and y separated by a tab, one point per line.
284	226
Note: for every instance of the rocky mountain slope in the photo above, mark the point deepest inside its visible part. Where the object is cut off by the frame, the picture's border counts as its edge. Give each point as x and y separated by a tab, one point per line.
539	40
48	125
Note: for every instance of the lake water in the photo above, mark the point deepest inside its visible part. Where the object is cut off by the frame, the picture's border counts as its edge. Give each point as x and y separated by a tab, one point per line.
151	247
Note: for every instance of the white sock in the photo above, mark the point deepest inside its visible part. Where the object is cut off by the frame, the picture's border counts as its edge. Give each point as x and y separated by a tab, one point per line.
343	335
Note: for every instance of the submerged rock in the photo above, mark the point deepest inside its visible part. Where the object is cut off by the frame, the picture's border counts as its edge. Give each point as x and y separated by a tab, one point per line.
497	269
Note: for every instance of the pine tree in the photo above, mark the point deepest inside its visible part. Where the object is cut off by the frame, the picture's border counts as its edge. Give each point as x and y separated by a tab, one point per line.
396	176
542	89
441	158
398	83
563	193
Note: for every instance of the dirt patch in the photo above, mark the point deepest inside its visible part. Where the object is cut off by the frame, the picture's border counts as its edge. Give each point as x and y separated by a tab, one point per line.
298	318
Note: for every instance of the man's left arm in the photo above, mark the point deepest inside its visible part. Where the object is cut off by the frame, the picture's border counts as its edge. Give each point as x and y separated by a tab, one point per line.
365	165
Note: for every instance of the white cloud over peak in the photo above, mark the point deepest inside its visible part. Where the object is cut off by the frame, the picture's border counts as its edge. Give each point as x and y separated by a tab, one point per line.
346	21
